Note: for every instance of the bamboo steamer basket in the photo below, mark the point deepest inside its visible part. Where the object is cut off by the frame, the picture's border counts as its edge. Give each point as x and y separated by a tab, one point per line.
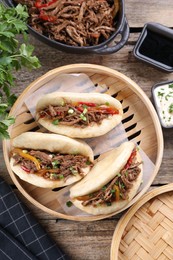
146	230
139	120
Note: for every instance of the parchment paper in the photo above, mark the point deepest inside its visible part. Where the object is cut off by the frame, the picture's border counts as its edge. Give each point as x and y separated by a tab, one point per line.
82	83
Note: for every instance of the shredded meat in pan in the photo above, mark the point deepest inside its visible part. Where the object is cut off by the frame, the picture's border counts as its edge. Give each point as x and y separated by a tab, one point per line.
73	22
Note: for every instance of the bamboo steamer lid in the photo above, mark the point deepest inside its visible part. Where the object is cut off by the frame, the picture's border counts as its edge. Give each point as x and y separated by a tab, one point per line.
146	230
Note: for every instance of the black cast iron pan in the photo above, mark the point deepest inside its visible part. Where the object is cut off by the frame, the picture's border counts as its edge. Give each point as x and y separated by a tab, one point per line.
107	47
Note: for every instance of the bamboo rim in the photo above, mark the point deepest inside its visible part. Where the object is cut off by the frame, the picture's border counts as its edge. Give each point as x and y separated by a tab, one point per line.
82	68
116	239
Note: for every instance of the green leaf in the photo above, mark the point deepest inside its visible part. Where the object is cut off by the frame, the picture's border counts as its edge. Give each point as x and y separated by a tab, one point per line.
7	34
3	106
4	134
21	11
20	26
13	56
8	46
11	99
5	61
9	121
16	64
26	50
6	90
30	62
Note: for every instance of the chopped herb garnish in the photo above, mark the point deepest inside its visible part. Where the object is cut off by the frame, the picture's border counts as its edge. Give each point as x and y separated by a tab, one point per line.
122	185
53	176
83	117
166	97
55	122
170	85
160	94
88	162
69	203
61	176
55	164
171	108
104	188
73	170
107	104
85	110
112	191
121	195
108	204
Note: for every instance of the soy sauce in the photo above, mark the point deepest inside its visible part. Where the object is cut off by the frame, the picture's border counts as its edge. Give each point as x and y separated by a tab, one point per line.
158	48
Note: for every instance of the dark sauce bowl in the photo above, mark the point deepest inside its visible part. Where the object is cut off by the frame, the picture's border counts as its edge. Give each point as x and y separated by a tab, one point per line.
108	46
155	46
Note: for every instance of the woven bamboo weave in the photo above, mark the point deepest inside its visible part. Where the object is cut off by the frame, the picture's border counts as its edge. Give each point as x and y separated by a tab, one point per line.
149	233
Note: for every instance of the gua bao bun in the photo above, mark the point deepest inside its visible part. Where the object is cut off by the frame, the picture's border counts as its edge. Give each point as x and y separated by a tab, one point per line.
50	160
79	115
112	182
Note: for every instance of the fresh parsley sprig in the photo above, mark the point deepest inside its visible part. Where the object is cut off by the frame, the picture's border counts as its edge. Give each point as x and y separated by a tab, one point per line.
13	56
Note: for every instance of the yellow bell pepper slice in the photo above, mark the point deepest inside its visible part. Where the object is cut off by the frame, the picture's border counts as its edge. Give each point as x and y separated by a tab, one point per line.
117	192
27	156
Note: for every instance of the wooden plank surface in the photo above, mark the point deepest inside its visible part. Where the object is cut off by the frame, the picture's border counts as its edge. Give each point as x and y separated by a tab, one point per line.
92	240
139	12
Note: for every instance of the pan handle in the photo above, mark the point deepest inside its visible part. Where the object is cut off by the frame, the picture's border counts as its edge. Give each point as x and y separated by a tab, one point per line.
124	32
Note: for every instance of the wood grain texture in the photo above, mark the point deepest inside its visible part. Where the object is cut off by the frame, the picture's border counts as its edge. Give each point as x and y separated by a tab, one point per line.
141	12
93	239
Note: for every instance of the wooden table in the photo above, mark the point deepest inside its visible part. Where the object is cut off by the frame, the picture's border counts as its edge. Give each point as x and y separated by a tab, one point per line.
92	240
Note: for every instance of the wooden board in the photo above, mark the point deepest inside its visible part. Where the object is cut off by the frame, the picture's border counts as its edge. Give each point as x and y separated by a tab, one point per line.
140	12
139	120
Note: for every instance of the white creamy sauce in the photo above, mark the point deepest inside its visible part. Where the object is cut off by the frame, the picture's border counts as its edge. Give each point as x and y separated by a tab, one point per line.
163	96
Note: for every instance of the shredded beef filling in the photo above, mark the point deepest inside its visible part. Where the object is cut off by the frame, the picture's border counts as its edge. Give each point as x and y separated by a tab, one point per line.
73	22
53	166
115	190
78	116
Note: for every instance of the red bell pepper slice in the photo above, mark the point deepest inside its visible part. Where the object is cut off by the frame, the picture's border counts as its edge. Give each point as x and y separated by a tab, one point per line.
39	4
89	104
129	162
25	169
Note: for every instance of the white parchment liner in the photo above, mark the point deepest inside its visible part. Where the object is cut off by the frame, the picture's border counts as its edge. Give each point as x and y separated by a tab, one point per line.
82	83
